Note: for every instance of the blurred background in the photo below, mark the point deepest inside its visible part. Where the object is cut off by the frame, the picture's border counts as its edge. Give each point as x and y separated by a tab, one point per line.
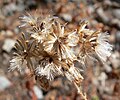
101	82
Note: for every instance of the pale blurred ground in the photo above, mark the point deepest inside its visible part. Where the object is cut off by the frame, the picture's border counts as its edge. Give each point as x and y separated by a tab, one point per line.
102	82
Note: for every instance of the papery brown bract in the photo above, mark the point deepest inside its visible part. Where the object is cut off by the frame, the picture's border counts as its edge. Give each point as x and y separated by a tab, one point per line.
41	80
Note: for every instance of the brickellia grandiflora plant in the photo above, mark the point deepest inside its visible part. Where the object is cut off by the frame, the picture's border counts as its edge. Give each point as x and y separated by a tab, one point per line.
48	50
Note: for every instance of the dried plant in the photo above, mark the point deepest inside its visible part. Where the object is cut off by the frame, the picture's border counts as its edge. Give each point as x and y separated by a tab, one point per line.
48	50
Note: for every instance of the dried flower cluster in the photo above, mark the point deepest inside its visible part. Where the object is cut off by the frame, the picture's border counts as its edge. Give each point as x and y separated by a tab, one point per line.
48	50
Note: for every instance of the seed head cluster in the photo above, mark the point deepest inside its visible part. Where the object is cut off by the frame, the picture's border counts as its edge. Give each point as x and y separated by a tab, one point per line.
48	50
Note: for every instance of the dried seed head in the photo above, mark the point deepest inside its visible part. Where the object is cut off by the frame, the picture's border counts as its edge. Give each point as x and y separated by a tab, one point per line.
93	42
49	66
49	50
